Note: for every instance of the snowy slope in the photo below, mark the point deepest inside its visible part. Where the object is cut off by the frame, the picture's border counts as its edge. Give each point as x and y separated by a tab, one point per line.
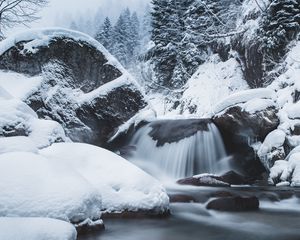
36	229
213	81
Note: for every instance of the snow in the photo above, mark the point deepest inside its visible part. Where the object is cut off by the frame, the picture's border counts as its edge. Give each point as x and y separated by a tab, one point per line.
19	85
293	111
245	96
256	105
123	186
17	144
34	186
15	113
36	229
274	140
294	170
277	170
213	81
124	80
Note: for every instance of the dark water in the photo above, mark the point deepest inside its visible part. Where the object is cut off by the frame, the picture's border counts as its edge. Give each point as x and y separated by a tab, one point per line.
276	220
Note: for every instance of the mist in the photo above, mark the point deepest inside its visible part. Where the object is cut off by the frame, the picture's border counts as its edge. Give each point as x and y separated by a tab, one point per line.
60	13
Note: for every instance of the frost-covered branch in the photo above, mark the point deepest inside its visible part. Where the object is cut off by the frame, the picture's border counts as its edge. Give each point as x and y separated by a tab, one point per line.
16	12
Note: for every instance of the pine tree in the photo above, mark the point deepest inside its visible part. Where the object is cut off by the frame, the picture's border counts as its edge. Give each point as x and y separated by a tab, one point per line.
280	25
104	35
121	36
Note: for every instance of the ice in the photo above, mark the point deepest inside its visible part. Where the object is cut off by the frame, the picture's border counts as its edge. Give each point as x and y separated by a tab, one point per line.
36	229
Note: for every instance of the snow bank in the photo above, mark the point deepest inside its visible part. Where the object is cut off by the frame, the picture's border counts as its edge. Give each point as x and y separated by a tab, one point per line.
17	144
19	85
34	186
123	186
213	81
243	97
36	229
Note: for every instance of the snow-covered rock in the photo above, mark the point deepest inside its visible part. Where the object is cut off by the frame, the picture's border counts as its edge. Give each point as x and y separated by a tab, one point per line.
123	186
272	147
34	186
18	119
72	79
246	96
36	229
241	129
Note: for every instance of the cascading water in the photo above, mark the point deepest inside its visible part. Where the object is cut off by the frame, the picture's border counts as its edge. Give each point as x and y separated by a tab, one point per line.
179	148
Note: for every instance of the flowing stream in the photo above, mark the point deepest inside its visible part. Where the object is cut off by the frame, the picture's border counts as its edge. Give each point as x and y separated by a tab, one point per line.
173	149
179	148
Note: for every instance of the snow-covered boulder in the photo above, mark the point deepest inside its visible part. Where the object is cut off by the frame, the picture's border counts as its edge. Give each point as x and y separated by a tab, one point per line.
34	186
244	124
72	79
286	172
253	98
272	148
36	229
18	120
123	186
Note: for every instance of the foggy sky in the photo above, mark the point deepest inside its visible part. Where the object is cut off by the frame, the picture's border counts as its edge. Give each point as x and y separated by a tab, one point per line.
58	13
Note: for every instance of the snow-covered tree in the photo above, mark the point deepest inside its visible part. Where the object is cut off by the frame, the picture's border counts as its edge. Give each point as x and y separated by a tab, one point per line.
104	35
280	25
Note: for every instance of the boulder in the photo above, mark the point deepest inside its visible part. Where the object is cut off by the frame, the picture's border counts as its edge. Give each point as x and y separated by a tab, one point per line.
83	87
234	204
240	129
225	180
179	198
205	180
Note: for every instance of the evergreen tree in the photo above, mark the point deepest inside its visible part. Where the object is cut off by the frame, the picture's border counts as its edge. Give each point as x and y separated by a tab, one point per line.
121	36
104	35
280	25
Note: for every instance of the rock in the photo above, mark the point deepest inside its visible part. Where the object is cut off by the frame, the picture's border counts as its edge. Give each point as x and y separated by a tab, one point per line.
205	180
225	180
83	87
89	226
222	194
165	131
240	129
234	178
234	204
177	198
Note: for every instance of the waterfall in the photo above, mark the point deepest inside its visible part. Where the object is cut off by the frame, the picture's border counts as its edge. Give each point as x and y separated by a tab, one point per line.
179	148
